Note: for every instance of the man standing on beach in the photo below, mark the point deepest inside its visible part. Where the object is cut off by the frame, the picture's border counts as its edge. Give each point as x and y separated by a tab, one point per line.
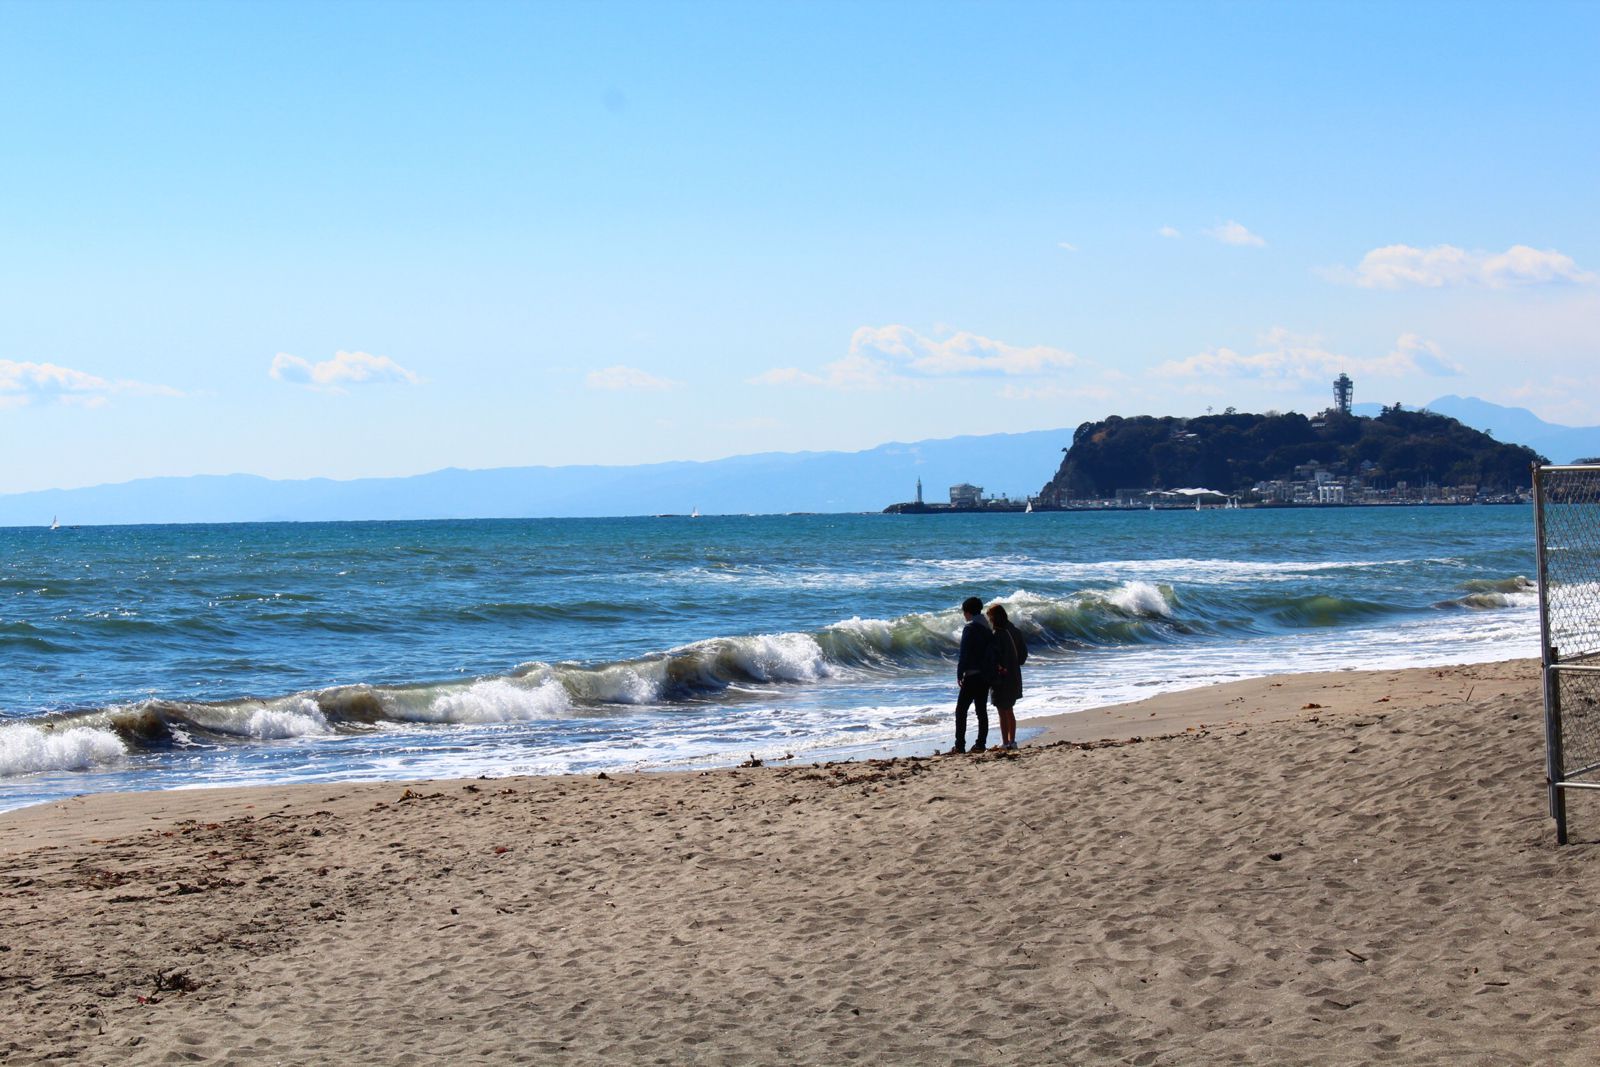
972	674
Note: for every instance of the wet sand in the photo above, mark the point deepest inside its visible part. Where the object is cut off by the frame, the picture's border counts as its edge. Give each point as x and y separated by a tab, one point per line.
1317	869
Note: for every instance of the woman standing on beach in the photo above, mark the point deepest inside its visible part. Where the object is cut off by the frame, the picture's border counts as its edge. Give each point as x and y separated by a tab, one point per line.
1010	653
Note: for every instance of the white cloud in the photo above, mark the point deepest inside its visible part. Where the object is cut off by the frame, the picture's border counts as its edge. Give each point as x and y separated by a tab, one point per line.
345	368
1169	231
1399	266
1055	391
628	378
854	371
885	355
1413	353
961	353
22	383
1564	399
1066	246
1233	233
1285	357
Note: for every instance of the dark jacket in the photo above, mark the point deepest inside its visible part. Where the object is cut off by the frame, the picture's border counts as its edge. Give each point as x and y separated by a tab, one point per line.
1010	650
977	652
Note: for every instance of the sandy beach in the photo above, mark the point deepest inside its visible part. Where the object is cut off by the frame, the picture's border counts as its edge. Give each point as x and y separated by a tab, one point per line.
1337	868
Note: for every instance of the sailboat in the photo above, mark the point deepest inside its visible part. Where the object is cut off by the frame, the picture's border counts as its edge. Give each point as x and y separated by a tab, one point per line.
695	514
1029	509
55	522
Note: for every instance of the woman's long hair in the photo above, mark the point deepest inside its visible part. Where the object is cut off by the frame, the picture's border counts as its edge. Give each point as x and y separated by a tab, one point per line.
997	616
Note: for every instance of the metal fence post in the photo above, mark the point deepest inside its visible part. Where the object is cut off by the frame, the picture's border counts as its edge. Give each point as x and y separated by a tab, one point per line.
1551	687
1566	509
1555	771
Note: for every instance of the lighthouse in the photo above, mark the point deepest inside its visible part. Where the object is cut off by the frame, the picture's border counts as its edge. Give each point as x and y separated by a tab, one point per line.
1343	389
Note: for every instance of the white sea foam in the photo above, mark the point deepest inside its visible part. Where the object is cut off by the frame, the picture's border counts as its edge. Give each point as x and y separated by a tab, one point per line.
1140	598
299	717
494	700
1132	672
1179	569
876	632
1570	600
780	657
1499	600
1016	567
765	578
1489	594
27	749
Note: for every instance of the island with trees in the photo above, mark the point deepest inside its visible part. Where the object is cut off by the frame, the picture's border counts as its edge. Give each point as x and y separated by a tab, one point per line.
1238	459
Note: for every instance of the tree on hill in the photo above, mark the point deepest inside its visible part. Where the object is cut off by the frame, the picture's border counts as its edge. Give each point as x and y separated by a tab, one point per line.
1231	452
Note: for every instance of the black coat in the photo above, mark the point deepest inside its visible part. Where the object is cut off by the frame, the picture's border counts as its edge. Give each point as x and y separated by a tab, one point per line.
1009	652
976	660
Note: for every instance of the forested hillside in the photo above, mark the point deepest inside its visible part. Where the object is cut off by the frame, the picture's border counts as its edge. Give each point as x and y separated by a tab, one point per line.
1232	452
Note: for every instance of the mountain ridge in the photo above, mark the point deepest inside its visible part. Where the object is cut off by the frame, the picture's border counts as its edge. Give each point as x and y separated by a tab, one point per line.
757	483
1563	444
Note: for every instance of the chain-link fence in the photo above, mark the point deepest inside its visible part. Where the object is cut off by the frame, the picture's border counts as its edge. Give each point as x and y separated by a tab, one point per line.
1567	519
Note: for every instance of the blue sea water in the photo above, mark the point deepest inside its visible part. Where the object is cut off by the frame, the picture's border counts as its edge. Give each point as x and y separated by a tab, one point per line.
143	657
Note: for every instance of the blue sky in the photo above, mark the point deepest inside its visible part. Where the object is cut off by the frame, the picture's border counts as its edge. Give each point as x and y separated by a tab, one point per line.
374	239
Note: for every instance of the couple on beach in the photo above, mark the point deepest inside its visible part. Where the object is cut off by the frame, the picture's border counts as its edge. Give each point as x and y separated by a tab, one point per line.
989	667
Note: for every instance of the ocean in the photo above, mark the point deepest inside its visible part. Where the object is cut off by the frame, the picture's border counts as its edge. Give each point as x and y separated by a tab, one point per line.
156	657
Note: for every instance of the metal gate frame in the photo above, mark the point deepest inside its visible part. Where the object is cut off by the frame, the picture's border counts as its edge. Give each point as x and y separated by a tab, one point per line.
1569	658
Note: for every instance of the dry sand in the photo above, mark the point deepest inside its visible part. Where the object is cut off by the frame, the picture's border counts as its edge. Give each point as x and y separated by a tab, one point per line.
1373	879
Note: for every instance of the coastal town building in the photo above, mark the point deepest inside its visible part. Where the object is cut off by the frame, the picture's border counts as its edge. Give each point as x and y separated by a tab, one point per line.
1195	497
963	497
966	496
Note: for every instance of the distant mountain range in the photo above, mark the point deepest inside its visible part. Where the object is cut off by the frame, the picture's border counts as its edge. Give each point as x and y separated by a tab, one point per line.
1561	444
773	482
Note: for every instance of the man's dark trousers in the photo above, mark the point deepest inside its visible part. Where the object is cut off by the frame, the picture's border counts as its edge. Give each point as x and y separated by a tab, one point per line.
974	693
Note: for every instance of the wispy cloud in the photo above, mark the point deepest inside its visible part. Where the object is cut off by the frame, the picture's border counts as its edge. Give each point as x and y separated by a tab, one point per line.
960	353
1055	391
1415	353
1402	266
1287	357
1170	232
1564	399
1233	233
622	378
854	371
23	383
344	369
885	355
1066	246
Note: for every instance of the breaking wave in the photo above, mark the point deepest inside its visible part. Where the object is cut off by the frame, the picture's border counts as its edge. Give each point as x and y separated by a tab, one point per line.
1488	594
1131	612
27	749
